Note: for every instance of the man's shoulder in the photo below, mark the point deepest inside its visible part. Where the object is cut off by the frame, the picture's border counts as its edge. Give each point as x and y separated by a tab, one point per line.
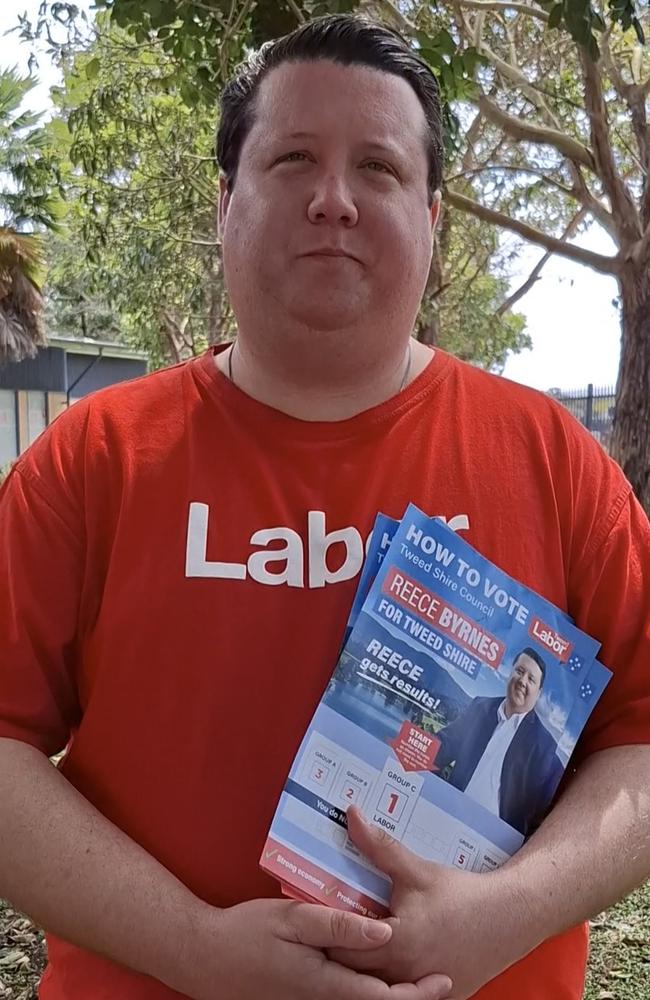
484	705
111	428
158	388
130	406
543	739
545	443
502	396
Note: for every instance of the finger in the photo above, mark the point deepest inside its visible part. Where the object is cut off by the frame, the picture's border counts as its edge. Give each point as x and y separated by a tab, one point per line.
383	850
435	987
336	981
322	927
360	961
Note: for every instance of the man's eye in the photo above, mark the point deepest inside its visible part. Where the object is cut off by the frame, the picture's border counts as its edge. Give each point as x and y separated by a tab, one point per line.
293	157
378	166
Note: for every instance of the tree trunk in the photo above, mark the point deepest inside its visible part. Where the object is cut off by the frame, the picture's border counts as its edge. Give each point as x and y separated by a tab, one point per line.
428	332
631	436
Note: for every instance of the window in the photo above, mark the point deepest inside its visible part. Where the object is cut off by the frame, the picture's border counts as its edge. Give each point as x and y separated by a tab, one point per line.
8	436
36	415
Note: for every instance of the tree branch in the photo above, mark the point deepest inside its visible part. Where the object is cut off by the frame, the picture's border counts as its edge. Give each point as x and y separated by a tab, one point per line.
623	207
300	17
532	279
514	75
522	8
599	262
391	10
471	136
535	273
580	192
640	250
617	77
634	94
514	168
521	130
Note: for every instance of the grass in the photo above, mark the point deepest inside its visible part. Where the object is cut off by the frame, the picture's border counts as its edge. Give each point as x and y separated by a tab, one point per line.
619	968
22	955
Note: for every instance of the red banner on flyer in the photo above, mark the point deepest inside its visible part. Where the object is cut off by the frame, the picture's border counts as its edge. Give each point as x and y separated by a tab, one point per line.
429	607
415	749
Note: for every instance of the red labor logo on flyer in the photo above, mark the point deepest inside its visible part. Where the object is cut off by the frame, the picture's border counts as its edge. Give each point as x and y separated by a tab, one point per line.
414	748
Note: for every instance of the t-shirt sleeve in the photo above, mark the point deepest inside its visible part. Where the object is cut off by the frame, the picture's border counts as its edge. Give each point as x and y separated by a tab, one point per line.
611	601
41	569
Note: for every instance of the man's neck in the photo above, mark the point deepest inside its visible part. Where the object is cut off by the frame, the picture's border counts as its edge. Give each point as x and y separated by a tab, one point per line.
322	390
509	711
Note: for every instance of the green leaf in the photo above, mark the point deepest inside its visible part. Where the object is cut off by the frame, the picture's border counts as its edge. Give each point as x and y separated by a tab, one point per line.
473	58
120	16
447	79
458	66
432	57
92	68
444	43
153	8
639	30
555	17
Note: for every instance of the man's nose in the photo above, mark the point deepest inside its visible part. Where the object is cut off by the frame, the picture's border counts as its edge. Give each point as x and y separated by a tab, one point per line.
332	201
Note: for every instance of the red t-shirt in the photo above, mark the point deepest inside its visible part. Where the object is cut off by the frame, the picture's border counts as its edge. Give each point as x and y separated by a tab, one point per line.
177	565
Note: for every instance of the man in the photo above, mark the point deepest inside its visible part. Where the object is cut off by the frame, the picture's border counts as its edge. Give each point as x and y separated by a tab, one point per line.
180	555
501	754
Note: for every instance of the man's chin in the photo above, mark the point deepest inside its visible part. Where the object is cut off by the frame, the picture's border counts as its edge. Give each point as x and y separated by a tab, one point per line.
328	319
516	708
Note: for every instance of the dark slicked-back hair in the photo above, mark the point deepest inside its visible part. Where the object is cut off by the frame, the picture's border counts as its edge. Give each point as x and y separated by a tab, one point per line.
342	38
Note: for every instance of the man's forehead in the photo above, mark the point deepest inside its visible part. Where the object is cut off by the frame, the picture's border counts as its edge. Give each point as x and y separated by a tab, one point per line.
308	96
524	660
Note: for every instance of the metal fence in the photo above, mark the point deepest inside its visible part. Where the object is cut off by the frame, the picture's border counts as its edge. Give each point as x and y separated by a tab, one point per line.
593	407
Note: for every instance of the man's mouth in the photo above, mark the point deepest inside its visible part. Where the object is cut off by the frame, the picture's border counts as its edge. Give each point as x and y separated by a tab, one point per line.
330	252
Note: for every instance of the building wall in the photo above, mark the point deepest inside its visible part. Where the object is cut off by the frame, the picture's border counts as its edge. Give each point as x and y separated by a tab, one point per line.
33	392
45	372
106	371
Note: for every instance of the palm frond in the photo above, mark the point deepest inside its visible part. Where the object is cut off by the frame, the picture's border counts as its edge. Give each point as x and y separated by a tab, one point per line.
13	88
22	330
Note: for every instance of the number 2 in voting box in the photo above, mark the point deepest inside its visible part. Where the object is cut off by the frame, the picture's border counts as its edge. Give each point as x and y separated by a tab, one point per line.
353	785
350	792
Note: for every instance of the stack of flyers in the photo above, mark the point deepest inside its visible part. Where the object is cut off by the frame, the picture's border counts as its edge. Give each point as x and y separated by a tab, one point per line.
455	705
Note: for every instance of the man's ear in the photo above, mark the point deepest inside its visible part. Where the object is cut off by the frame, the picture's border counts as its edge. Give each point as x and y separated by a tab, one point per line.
224	201
436	205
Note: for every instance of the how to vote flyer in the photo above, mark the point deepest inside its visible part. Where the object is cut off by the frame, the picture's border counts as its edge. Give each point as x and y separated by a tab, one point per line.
456	702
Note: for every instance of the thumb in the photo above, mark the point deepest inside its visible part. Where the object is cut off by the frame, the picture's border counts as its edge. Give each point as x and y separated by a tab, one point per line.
383	850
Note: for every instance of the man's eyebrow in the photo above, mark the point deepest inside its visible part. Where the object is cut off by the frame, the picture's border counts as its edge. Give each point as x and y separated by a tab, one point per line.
381	146
385	147
296	135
